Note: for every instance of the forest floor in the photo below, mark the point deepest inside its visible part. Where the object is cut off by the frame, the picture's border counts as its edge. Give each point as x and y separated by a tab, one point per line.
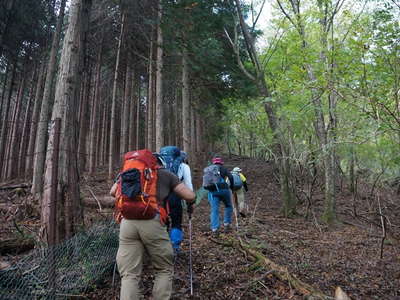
346	254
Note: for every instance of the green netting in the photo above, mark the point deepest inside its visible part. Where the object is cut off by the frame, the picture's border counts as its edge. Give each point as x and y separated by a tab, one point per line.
78	264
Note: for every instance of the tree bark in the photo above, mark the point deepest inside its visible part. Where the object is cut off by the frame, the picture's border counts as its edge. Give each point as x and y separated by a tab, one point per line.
192	130
84	120
126	124
26	127
139	116
185	102
105	134
95	113
150	98
65	108
159	126
3	93
35	118
113	147
13	145
40	144
6	121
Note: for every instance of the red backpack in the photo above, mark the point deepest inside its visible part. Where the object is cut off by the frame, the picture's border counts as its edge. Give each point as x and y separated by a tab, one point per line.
136	194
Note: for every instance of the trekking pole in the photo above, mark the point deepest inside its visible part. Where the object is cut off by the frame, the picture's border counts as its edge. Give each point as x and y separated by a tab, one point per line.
113	279
190	211
234	197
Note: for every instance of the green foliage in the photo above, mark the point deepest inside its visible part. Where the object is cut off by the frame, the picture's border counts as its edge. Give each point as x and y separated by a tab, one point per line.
24	27
365	49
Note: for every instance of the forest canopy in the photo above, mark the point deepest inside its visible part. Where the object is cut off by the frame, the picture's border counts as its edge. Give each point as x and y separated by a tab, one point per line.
315	87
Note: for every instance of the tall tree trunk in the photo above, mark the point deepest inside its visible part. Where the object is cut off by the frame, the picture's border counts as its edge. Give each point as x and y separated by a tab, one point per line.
65	108
132	131
199	134
26	126
3	93
279	150
84	92
13	145
192	129
126	124
6	121
40	145
159	84
150	98
331	167
94	130
185	102
200	152
35	119
113	149
138	117
84	120
105	133
325	135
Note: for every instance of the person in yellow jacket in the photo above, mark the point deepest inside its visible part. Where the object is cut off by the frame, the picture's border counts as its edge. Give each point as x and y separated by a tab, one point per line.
239	194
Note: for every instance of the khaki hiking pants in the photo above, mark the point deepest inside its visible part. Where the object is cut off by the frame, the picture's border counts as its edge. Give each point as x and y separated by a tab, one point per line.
136	237
240	202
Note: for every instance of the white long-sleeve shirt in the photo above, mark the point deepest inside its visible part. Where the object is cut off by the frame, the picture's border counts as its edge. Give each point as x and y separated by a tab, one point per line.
185	175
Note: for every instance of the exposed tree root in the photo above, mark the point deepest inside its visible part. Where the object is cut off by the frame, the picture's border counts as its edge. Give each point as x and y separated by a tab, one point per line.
279	271
16	186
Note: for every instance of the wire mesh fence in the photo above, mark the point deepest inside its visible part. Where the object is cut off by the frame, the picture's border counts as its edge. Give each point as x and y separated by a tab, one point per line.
59	272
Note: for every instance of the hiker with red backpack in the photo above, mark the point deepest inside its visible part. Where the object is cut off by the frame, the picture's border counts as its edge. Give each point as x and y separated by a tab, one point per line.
174	161
218	181
141	191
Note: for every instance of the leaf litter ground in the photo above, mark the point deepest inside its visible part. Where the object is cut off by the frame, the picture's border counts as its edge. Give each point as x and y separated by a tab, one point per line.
345	255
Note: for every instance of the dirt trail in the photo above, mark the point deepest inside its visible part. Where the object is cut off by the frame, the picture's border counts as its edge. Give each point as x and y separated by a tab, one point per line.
346	255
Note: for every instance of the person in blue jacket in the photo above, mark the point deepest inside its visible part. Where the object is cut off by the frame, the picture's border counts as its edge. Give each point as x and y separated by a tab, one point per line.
221	193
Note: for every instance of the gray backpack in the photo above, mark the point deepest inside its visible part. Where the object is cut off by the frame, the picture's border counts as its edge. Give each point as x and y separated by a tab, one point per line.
237	182
211	177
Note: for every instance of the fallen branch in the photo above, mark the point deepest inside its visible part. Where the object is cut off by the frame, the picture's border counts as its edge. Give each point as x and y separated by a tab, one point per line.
254	211
383	222
104	201
95	198
16	246
92	193
279	271
12	187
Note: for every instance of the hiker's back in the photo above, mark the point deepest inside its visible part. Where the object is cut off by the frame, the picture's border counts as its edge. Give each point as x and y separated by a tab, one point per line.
237	183
214	177
172	158
136	195
141	184
211	177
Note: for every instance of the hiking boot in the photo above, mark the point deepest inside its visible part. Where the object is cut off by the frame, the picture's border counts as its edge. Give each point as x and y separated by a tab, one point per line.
215	233
177	251
227	228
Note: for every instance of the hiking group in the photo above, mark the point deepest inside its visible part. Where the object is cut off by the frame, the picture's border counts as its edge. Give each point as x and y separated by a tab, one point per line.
151	192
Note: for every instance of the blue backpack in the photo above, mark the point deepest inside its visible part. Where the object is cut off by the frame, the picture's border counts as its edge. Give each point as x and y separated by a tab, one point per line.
172	158
237	182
